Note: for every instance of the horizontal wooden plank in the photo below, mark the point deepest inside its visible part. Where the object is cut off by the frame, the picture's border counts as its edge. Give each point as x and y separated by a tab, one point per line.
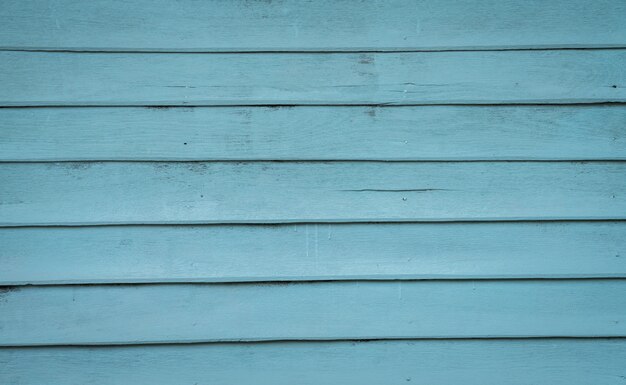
240	25
60	78
129	254
139	314
471	362
314	133
273	192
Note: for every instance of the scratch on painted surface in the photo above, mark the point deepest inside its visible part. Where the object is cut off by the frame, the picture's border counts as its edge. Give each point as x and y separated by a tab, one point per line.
306	235
397	190
316	242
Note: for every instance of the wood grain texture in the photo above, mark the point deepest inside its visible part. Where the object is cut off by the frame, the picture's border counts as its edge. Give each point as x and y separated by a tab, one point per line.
273	192
128	254
65	79
471	362
314	133
139	314
242	25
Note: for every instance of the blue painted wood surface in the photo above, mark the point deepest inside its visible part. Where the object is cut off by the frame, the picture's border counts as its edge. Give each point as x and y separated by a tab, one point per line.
183	313
66	79
434	362
514	133
277	192
292	25
241	253
314	133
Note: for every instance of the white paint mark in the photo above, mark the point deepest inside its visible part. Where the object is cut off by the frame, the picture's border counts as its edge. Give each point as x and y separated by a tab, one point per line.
306	233
316	243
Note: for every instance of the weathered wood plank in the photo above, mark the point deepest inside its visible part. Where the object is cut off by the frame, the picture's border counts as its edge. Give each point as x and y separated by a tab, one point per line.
130	254
138	314
471	362
143	25
314	133
273	192
58	78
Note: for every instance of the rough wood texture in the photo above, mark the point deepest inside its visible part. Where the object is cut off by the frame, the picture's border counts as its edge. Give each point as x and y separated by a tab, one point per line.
470	362
53	78
311	252
314	133
272	192
287	25
473	129
139	314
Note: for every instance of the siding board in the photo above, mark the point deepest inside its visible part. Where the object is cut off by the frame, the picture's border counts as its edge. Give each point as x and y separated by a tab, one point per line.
273	192
291	191
130	254
66	79
139	314
471	362
314	133
292	25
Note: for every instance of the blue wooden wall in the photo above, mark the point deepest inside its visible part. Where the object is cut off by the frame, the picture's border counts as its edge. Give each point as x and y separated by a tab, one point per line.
312	192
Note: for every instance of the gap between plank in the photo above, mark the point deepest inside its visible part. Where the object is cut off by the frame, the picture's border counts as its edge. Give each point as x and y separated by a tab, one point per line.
10	288
283	105
346	222
113	345
88	50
